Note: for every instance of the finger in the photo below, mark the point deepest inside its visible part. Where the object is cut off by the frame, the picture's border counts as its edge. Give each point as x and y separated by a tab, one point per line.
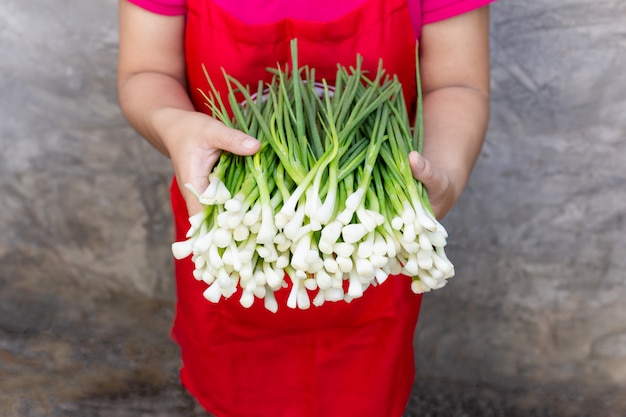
192	178
193	206
422	169
436	182
191	194
233	140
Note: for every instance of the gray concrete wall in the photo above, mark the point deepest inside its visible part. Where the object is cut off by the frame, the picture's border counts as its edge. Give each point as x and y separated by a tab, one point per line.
538	238
83	199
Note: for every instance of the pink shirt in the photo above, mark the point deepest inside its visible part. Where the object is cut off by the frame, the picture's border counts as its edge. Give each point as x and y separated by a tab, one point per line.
263	11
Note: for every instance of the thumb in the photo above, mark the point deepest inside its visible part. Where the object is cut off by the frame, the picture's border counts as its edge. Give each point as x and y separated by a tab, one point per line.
422	169
233	140
437	183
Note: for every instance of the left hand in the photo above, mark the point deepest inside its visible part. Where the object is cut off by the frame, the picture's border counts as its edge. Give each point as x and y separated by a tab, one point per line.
454	69
440	188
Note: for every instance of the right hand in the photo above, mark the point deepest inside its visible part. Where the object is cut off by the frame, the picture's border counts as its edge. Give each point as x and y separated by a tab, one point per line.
194	142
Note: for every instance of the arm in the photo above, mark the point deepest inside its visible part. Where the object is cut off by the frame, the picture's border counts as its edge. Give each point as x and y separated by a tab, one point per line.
454	61
153	96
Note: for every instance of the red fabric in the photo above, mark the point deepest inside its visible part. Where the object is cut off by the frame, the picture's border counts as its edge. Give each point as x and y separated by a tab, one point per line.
164	7
434	11
259	11
337	360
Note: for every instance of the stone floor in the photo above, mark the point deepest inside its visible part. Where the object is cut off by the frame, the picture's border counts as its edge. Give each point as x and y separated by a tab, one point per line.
94	359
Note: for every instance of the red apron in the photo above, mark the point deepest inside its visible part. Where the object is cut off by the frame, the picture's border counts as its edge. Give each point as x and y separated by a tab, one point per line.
337	360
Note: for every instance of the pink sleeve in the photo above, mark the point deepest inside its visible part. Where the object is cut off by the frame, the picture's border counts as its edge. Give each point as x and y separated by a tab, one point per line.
434	10
164	7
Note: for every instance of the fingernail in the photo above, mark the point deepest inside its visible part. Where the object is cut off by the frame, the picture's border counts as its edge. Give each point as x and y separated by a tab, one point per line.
250	143
419	163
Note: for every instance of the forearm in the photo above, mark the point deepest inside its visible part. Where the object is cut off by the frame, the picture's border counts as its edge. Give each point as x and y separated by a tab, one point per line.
153	95
151	102
454	69
455	121
151	73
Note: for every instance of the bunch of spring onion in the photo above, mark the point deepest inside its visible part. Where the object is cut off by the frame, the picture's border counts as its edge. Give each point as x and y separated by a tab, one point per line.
328	204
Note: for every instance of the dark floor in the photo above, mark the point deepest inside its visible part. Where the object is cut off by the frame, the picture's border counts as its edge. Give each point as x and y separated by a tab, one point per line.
428	400
95	360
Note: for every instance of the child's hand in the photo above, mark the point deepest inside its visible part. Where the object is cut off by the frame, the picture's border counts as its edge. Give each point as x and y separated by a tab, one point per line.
440	188
194	142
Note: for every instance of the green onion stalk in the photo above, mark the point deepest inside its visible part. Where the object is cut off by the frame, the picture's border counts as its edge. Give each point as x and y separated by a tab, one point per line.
328	204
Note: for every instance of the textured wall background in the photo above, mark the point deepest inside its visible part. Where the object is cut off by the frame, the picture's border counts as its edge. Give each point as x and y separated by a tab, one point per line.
539	235
538	238
83	199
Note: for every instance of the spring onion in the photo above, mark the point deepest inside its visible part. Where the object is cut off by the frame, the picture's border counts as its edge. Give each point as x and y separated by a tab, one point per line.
328	204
